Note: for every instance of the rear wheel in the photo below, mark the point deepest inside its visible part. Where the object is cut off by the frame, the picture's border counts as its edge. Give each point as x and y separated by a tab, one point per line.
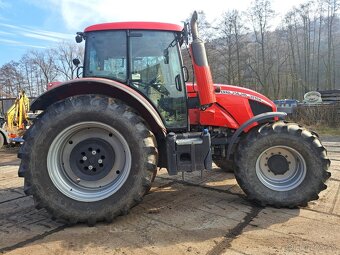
88	158
281	164
89	161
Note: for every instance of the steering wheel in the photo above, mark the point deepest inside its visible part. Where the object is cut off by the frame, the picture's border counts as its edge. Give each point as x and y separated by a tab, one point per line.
160	88
154	84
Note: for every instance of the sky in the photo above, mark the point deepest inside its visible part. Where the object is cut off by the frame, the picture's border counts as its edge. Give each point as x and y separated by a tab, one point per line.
41	24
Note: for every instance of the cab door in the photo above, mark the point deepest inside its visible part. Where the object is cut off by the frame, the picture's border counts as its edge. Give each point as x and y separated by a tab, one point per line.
156	71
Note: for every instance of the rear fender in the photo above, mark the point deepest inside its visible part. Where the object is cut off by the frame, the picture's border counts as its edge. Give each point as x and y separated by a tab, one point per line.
103	87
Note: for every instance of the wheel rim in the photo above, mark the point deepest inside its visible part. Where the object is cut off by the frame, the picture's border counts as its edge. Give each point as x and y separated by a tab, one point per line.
89	161
281	168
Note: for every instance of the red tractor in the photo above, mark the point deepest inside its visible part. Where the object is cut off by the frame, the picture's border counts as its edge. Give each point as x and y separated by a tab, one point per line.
95	150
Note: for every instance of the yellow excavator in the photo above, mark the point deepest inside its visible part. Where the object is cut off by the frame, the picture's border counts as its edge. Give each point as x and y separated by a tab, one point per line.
16	121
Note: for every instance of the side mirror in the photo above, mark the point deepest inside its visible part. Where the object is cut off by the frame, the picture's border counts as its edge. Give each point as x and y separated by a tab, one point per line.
79	37
76	62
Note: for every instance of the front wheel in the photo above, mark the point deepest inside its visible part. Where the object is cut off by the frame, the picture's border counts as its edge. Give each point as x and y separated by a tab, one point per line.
281	164
88	158
225	165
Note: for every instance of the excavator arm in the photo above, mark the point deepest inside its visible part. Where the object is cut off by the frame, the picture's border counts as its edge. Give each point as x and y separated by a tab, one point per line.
17	114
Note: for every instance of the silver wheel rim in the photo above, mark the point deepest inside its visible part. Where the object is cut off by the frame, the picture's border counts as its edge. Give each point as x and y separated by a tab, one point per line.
66	169
284	181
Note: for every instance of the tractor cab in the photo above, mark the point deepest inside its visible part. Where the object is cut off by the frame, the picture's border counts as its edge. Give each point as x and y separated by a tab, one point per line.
146	57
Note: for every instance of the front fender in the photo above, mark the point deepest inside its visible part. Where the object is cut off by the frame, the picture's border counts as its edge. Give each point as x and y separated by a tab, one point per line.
103	87
257	118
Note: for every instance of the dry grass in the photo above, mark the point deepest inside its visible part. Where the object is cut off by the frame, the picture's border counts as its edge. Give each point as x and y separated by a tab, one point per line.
324	119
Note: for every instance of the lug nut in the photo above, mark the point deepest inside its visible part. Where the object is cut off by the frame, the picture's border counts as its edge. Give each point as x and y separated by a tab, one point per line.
94	152
100	161
90	167
84	158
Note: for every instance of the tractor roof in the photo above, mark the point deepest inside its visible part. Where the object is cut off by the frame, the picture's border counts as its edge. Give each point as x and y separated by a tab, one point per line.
135	26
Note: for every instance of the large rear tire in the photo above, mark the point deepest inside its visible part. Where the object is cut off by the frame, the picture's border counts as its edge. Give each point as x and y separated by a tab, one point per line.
88	158
281	164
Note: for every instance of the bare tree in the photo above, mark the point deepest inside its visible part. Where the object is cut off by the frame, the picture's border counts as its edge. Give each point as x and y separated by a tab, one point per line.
304	12
28	70
229	46
11	79
260	14
46	67
320	10
331	8
63	54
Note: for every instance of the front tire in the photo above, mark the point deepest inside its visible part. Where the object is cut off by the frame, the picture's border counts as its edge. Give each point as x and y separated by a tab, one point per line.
281	164
88	158
225	165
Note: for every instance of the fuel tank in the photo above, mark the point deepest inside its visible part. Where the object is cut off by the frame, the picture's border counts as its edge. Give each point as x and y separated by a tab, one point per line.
234	106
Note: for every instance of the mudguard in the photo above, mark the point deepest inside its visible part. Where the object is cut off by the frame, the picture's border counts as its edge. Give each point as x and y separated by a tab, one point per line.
103	87
260	117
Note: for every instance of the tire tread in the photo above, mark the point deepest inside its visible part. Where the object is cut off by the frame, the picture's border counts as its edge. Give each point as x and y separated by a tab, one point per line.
97	102
281	127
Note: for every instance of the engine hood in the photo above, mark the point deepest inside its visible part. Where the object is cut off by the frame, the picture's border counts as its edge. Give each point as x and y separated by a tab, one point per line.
231	90
243	92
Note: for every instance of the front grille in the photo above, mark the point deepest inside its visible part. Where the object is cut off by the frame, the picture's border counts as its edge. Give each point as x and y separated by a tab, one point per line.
258	108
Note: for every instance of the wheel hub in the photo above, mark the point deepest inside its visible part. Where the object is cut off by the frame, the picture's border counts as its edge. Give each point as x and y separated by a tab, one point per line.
281	168
278	164
89	161
92	159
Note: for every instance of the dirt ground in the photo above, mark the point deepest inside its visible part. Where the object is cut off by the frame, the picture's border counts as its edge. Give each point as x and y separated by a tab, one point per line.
207	215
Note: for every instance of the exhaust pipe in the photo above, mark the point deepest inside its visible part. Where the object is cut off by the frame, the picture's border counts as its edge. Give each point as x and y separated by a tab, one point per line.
201	67
194	28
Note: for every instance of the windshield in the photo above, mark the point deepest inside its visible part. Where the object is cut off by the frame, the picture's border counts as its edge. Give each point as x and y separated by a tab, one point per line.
148	61
106	55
